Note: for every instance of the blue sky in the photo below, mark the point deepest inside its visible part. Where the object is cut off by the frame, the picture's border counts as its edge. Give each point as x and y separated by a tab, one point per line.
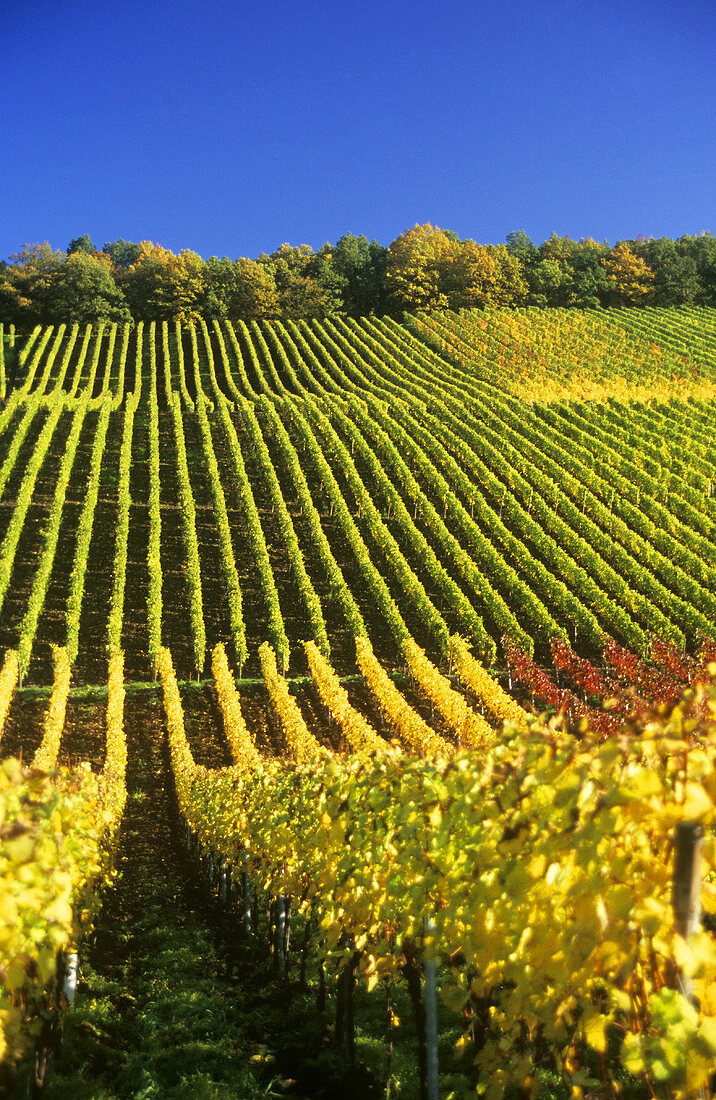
229	127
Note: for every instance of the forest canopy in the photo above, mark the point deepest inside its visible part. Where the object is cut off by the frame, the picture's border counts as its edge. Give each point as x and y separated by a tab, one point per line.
424	268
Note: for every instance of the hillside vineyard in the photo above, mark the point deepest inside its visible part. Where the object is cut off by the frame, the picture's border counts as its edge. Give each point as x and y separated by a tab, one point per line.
397	538
286	482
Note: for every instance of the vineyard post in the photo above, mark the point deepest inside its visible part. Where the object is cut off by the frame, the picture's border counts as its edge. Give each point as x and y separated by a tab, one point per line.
411	970
389	1041
246	884
304	952
71	976
431	1019
345	1015
686	886
281	934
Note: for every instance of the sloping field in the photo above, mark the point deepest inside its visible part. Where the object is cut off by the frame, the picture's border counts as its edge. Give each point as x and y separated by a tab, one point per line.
283	482
356	520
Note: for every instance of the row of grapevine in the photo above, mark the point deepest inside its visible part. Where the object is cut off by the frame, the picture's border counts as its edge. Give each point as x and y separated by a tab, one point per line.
254	530
154	559
629	554
246	387
41	581
276	430
119	572
303	582
485	688
228	563
374	580
33	409
301	745
370	418
470	729
84	535
242	746
45	758
191	545
406	722
431	620
648	516
372	848
51	872
8	682
24	499
419	547
356	729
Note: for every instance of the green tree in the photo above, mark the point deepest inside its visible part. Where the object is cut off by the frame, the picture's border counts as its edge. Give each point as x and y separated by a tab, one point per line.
523	249
326	274
84	290
305	282
676	280
702	250
362	266
81	244
568	273
238	290
122	253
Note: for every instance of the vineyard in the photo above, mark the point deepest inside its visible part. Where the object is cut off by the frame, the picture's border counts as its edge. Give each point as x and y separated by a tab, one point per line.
342	565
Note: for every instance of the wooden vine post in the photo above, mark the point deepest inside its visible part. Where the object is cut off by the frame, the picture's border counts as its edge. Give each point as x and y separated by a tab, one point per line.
686	886
431	1019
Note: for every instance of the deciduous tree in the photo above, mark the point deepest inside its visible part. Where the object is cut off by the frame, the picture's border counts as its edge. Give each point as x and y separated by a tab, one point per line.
630	279
238	290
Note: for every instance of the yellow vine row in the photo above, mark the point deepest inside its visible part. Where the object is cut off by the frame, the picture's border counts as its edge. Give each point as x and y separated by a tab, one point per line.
470	728
52	871
302	745
478	680
8	682
356	729
46	755
401	716
243	749
115	764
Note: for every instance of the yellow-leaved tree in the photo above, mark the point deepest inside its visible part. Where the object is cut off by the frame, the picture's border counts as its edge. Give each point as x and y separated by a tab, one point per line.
160	286
629	277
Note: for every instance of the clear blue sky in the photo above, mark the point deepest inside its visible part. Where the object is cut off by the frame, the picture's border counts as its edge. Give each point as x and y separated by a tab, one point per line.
229	127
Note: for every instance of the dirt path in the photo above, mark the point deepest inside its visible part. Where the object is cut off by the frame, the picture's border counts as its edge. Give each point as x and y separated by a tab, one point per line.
173	1003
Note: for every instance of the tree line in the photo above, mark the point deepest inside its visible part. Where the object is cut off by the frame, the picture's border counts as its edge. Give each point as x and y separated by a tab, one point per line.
424	268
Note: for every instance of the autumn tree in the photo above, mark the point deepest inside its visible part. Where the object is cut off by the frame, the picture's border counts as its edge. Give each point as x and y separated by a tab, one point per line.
511	288
431	268
629	278
419	267
160	286
28	282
